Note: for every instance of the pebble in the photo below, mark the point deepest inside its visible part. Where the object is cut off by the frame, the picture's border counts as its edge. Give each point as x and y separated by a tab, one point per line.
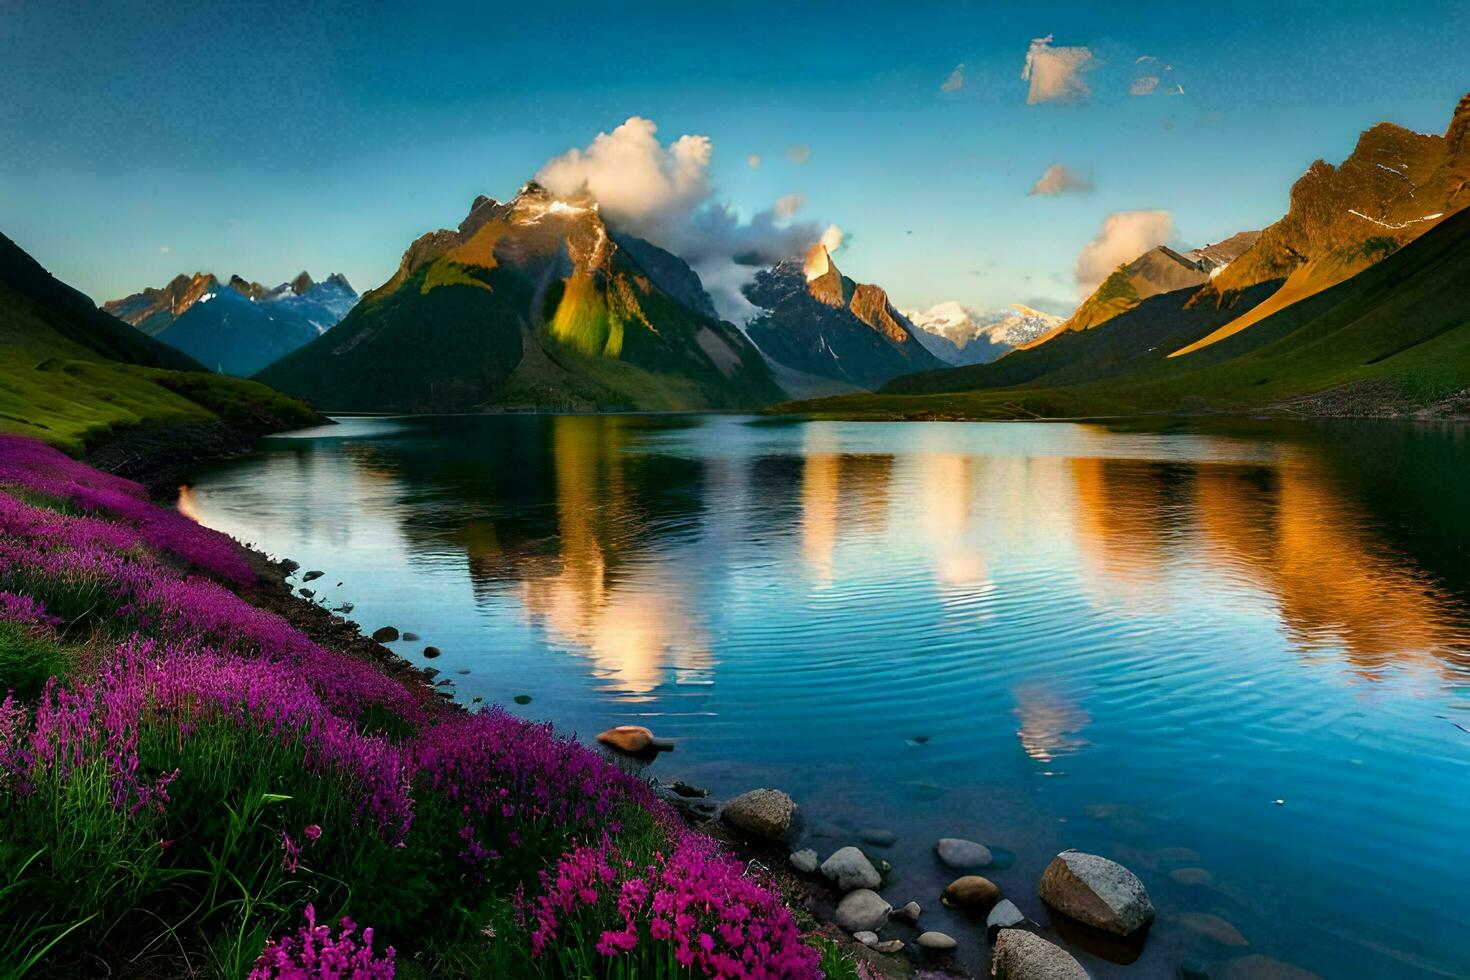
866	937
961	854
909	913
971	893
804	860
890	946
936	941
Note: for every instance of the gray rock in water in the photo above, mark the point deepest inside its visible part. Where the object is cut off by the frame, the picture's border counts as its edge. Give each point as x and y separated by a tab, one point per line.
804	860
1021	955
410	637
308	593
938	942
849	868
1096	891
958	853
1005	915
890	946
862	911
764	813
908	913
866	937
877	836
312	575
386	635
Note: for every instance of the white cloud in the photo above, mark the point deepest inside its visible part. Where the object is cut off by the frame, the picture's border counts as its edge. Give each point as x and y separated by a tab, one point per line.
956	79
164	249
800	153
753	161
786	206
1055	74
832	238
663	193
1125	236
1057	179
1144	85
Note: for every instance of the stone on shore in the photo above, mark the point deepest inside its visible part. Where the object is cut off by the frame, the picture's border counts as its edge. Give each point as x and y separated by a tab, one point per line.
1097	891
633	739
937	942
804	860
849	868
971	893
765	813
908	913
961	854
866	937
386	634
1021	955
862	911
890	946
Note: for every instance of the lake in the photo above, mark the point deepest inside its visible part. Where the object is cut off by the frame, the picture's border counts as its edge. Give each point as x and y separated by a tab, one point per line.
1237	661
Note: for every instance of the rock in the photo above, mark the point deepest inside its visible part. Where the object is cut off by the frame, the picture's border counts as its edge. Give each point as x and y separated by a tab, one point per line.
866	937
878	837
308	593
686	789
410	637
385	635
804	860
935	941
1191	876
971	893
634	740
463	672
1021	955
312	575
431	652
1096	891
522	699
958	853
890	946
862	911
763	813
849	868
1213	927
909	913
345	608
1005	915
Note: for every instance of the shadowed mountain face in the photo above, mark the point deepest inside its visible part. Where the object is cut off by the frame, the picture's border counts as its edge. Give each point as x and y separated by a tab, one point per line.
816	320
240	327
531	303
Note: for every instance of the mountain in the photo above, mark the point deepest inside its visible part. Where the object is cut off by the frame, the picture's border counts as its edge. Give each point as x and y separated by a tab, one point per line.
1159	270
74	375
958	335
816	321
1392	340
239	327
1395	186
533	303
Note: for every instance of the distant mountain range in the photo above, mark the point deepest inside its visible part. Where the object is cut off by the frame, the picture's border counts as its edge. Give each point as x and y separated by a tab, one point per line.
531	304
959	335
816	321
1354	303
240	326
74	375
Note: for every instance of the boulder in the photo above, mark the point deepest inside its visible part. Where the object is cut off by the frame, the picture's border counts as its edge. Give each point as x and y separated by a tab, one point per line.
1096	891
410	637
633	739
862	911
936	941
849	868
765	813
386	634
804	860
971	893
962	854
1021	955
866	937
312	575
431	652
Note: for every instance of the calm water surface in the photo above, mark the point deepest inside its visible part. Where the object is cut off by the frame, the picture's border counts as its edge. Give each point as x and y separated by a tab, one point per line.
1237	662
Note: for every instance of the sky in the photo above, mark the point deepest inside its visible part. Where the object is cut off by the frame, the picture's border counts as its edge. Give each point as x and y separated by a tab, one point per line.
138	141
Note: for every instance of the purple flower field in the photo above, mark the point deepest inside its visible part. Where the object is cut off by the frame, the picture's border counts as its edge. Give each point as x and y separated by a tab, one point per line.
193	778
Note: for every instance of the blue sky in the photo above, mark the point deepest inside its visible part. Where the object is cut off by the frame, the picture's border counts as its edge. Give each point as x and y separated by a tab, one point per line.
265	139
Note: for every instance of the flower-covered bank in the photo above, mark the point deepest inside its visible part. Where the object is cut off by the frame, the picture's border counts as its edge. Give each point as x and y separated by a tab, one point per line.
189	784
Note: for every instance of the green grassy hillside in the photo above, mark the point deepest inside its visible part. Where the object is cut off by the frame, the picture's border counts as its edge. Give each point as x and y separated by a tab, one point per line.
1392	340
73	375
